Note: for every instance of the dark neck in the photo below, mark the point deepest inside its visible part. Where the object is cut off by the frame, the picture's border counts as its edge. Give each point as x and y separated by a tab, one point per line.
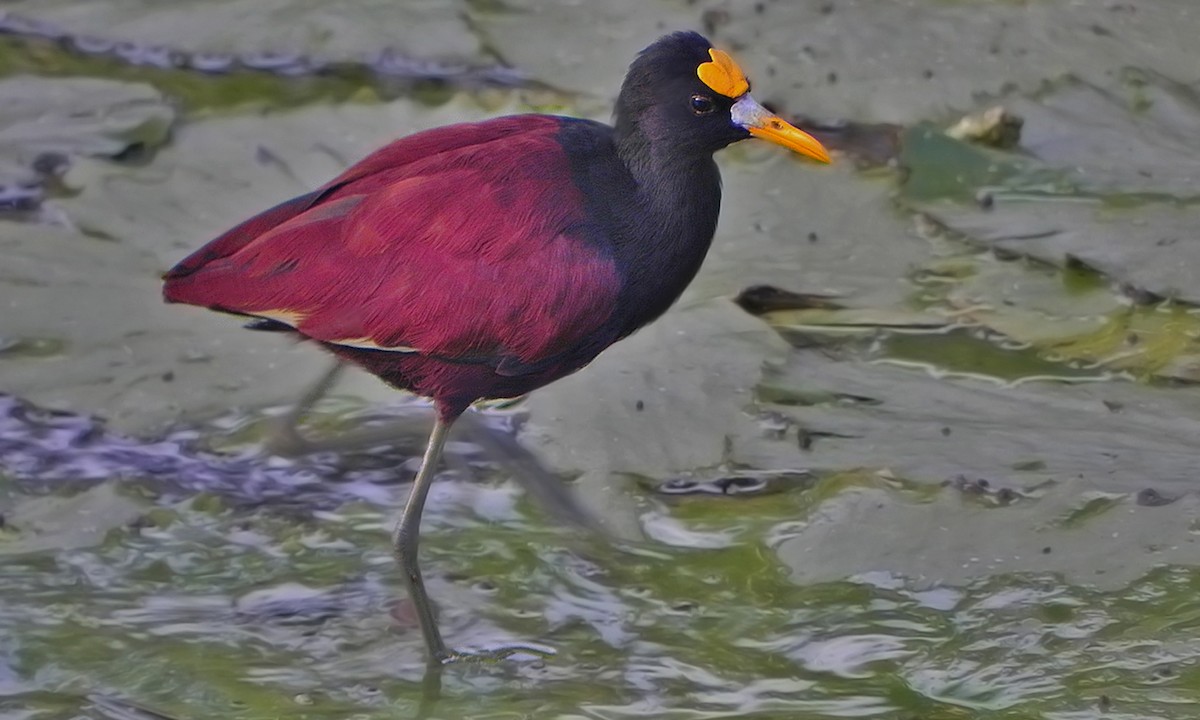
670	226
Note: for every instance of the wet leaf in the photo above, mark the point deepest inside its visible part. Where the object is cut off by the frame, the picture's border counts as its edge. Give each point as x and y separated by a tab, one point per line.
1072	317
1105	169
983	355
87	331
1154	341
929	426
1136	137
45	124
692	375
880	535
1144	246
868	145
940	167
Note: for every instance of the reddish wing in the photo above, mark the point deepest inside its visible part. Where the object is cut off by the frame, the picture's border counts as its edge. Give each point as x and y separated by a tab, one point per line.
236	238
462	242
367	174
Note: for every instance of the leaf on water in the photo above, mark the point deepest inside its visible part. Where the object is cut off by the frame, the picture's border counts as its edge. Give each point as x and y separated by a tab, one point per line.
1144	246
930	427
862	531
820	231
1137	137
970	353
46	123
1161	341
868	145
1068	317
1100	181
579	47
849	63
940	167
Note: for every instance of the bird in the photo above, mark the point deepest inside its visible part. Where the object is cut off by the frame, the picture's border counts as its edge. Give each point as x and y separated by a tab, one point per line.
484	260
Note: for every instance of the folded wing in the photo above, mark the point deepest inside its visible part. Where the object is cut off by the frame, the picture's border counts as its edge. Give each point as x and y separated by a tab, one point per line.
468	243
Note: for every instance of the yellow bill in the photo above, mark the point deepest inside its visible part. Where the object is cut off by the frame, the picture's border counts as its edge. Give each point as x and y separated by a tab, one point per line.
761	123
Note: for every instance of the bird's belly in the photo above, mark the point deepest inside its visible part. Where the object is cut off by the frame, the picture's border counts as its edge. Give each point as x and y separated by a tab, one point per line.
452	385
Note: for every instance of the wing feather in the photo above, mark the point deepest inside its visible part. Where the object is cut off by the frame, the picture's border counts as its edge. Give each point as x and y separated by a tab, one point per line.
466	243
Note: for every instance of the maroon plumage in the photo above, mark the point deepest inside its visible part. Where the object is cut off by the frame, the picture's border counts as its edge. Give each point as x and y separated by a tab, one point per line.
451	263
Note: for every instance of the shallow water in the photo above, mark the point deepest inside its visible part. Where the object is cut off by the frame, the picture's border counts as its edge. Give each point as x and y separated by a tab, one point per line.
203	606
961	485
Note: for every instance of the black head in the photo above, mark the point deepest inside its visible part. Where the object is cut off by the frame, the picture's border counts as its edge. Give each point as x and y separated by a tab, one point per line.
684	95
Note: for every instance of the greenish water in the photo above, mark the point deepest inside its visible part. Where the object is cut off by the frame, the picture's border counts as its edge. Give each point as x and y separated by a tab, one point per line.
254	614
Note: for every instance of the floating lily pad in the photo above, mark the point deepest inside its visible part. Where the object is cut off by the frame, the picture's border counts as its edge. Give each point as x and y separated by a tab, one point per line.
930	426
692	374
1092	539
44	124
1136	137
1144	246
969	352
940	167
803	228
1085	195
1146	342
1015	319
1100	181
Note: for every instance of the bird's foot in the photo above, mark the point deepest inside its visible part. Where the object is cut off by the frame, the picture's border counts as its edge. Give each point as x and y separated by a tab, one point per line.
495	655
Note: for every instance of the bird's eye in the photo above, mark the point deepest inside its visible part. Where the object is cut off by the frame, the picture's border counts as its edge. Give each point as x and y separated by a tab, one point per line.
702	105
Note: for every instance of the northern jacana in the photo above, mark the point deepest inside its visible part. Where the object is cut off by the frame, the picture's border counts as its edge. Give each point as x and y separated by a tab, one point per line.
486	260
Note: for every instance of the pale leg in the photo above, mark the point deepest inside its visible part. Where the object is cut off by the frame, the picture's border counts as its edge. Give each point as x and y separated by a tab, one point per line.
405	543
406	540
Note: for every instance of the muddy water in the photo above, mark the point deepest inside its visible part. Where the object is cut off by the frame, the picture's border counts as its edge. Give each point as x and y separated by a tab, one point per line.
962	485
